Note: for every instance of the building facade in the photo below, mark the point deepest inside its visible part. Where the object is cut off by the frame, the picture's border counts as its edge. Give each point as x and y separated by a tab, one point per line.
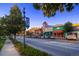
38	32
47	30
58	31
75	31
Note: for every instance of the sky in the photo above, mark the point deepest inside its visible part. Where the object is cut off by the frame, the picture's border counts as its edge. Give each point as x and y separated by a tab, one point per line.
37	17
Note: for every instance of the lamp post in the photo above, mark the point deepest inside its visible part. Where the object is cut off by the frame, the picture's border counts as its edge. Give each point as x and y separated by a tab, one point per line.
24	26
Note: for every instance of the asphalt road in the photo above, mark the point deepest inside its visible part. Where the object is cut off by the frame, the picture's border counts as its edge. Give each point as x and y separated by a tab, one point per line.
53	47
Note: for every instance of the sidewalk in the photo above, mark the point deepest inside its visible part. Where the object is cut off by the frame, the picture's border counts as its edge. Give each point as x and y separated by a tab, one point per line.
8	49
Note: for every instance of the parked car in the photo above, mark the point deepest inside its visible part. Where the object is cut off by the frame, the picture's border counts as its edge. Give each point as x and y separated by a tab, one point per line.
71	37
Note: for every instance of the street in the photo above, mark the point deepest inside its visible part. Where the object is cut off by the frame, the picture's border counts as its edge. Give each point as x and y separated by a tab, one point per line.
53	47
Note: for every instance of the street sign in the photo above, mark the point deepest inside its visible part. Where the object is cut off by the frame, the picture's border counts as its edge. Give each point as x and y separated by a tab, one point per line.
27	22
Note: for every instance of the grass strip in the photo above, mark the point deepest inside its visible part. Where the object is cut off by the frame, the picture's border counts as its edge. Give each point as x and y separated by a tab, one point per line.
29	51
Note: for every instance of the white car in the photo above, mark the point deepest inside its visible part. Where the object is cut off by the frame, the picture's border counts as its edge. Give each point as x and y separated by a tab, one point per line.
71	37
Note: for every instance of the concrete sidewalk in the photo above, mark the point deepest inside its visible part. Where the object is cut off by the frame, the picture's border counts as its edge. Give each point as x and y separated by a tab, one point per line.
8	49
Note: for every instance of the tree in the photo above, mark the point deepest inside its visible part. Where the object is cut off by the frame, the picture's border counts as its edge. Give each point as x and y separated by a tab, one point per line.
3	30
2	20
50	9
15	20
68	26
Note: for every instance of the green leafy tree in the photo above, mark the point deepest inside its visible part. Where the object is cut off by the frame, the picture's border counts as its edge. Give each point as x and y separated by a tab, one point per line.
3	30
2	20
15	20
68	26
50	9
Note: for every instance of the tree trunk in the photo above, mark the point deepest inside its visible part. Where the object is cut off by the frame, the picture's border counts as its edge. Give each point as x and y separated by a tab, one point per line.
15	36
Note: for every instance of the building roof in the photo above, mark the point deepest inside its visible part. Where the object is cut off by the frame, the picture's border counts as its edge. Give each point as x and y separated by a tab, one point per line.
57	25
58	31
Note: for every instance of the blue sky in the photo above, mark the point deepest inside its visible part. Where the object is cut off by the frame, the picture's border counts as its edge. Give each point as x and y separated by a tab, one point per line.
37	17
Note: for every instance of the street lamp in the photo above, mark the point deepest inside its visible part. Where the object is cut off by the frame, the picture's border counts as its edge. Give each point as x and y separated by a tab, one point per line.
24	26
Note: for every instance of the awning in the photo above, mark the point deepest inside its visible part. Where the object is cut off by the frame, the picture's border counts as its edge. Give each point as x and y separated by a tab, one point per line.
58	31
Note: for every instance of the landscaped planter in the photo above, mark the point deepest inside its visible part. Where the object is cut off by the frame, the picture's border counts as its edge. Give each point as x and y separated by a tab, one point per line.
28	51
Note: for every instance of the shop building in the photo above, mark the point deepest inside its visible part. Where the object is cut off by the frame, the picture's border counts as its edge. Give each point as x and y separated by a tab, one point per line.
74	32
58	31
38	32
47	30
